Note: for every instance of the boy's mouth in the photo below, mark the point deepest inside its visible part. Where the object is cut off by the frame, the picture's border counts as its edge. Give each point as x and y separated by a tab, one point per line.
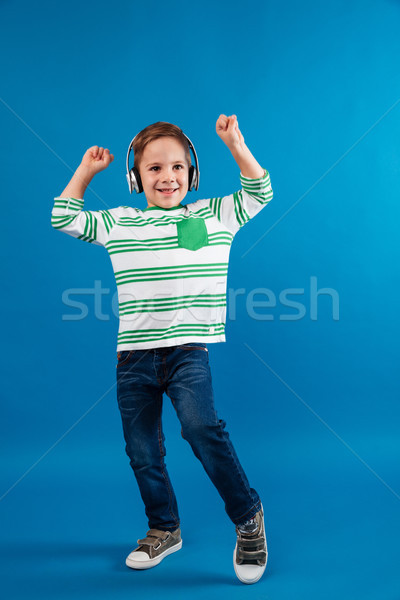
167	191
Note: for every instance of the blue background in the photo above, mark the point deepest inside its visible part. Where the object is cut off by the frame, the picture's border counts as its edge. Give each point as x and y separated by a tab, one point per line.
311	404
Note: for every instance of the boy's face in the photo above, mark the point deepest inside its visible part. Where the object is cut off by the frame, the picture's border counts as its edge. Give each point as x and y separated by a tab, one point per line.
163	166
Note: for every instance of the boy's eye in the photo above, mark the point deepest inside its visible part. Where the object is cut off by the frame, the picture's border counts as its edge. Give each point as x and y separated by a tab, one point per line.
151	168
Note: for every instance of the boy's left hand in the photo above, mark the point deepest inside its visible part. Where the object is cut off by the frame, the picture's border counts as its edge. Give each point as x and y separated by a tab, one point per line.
228	130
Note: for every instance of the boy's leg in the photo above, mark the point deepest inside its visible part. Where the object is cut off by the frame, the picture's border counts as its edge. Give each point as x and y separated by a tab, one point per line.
190	390
139	398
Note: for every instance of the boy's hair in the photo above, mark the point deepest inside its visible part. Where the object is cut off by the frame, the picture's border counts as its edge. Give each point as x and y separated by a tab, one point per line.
155	131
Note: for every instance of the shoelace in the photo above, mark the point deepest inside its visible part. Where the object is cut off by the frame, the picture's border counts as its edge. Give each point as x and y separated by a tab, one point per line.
249	526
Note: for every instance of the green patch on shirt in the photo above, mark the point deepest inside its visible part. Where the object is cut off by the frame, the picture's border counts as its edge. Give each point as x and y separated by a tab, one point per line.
192	233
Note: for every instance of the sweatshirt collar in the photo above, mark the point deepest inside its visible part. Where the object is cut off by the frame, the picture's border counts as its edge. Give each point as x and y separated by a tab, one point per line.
161	208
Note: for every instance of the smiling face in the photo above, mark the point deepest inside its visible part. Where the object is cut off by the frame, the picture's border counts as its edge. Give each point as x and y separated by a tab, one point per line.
164	167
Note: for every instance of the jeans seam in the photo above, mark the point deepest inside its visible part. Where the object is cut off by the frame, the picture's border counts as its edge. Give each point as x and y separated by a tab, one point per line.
163	465
235	462
155	369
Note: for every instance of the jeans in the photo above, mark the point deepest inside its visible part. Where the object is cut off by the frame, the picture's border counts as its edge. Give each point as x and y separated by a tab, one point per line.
183	373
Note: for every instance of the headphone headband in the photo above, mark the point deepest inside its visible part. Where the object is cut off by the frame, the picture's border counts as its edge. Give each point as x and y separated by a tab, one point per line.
135	182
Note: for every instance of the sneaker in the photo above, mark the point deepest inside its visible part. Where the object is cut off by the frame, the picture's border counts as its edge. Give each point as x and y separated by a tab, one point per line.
153	548
251	553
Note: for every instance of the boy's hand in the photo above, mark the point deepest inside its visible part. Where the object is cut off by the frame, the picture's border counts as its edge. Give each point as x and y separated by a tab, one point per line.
228	130
96	159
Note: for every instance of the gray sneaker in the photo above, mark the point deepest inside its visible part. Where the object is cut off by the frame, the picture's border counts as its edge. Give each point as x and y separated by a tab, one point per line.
250	554
153	548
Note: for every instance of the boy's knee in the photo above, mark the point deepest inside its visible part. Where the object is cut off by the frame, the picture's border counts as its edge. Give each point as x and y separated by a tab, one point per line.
198	431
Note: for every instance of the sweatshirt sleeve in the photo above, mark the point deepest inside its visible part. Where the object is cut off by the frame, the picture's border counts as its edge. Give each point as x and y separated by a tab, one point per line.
238	208
90	226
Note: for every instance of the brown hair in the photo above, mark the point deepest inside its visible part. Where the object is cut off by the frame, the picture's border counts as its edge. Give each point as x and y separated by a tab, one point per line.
155	131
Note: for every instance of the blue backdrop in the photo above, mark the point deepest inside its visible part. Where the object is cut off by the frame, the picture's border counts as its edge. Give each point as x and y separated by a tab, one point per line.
310	392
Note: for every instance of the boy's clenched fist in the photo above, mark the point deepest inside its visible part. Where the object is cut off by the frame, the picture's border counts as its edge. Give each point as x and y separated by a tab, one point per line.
228	130
96	159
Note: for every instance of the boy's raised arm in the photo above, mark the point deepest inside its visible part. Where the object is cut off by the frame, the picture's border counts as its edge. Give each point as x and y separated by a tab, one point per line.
94	160
228	130
238	208
68	214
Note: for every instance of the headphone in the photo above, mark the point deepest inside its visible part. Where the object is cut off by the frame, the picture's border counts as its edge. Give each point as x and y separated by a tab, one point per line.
135	182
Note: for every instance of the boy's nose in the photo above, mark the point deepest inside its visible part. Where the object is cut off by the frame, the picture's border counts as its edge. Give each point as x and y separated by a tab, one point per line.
168	177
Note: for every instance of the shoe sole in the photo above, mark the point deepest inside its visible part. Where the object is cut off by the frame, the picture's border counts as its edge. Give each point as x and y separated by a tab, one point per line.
152	562
241	569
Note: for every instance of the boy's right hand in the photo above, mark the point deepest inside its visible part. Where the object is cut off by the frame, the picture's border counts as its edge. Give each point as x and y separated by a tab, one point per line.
96	159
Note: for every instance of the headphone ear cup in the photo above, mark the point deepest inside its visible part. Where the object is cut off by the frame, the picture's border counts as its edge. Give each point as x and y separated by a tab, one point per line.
192	178
136	180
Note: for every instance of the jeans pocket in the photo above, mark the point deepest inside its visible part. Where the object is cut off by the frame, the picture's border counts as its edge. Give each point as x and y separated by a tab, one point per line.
194	346
123	357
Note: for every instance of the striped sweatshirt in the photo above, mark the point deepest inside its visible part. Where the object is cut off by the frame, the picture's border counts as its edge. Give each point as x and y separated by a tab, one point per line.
170	264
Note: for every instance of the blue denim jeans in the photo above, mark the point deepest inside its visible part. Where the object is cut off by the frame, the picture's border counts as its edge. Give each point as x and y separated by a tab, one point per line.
183	373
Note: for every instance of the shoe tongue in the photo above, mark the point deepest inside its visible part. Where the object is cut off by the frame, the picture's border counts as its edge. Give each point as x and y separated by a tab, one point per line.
249	526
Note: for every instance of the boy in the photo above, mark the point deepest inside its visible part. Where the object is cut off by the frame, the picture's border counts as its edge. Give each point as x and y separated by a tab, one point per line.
170	263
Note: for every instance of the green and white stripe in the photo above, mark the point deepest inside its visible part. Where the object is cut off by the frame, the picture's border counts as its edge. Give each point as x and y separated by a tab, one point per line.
182	332
170	304
167	243
160	273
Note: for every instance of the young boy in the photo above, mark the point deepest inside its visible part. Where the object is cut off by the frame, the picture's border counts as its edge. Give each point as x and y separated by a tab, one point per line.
170	262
